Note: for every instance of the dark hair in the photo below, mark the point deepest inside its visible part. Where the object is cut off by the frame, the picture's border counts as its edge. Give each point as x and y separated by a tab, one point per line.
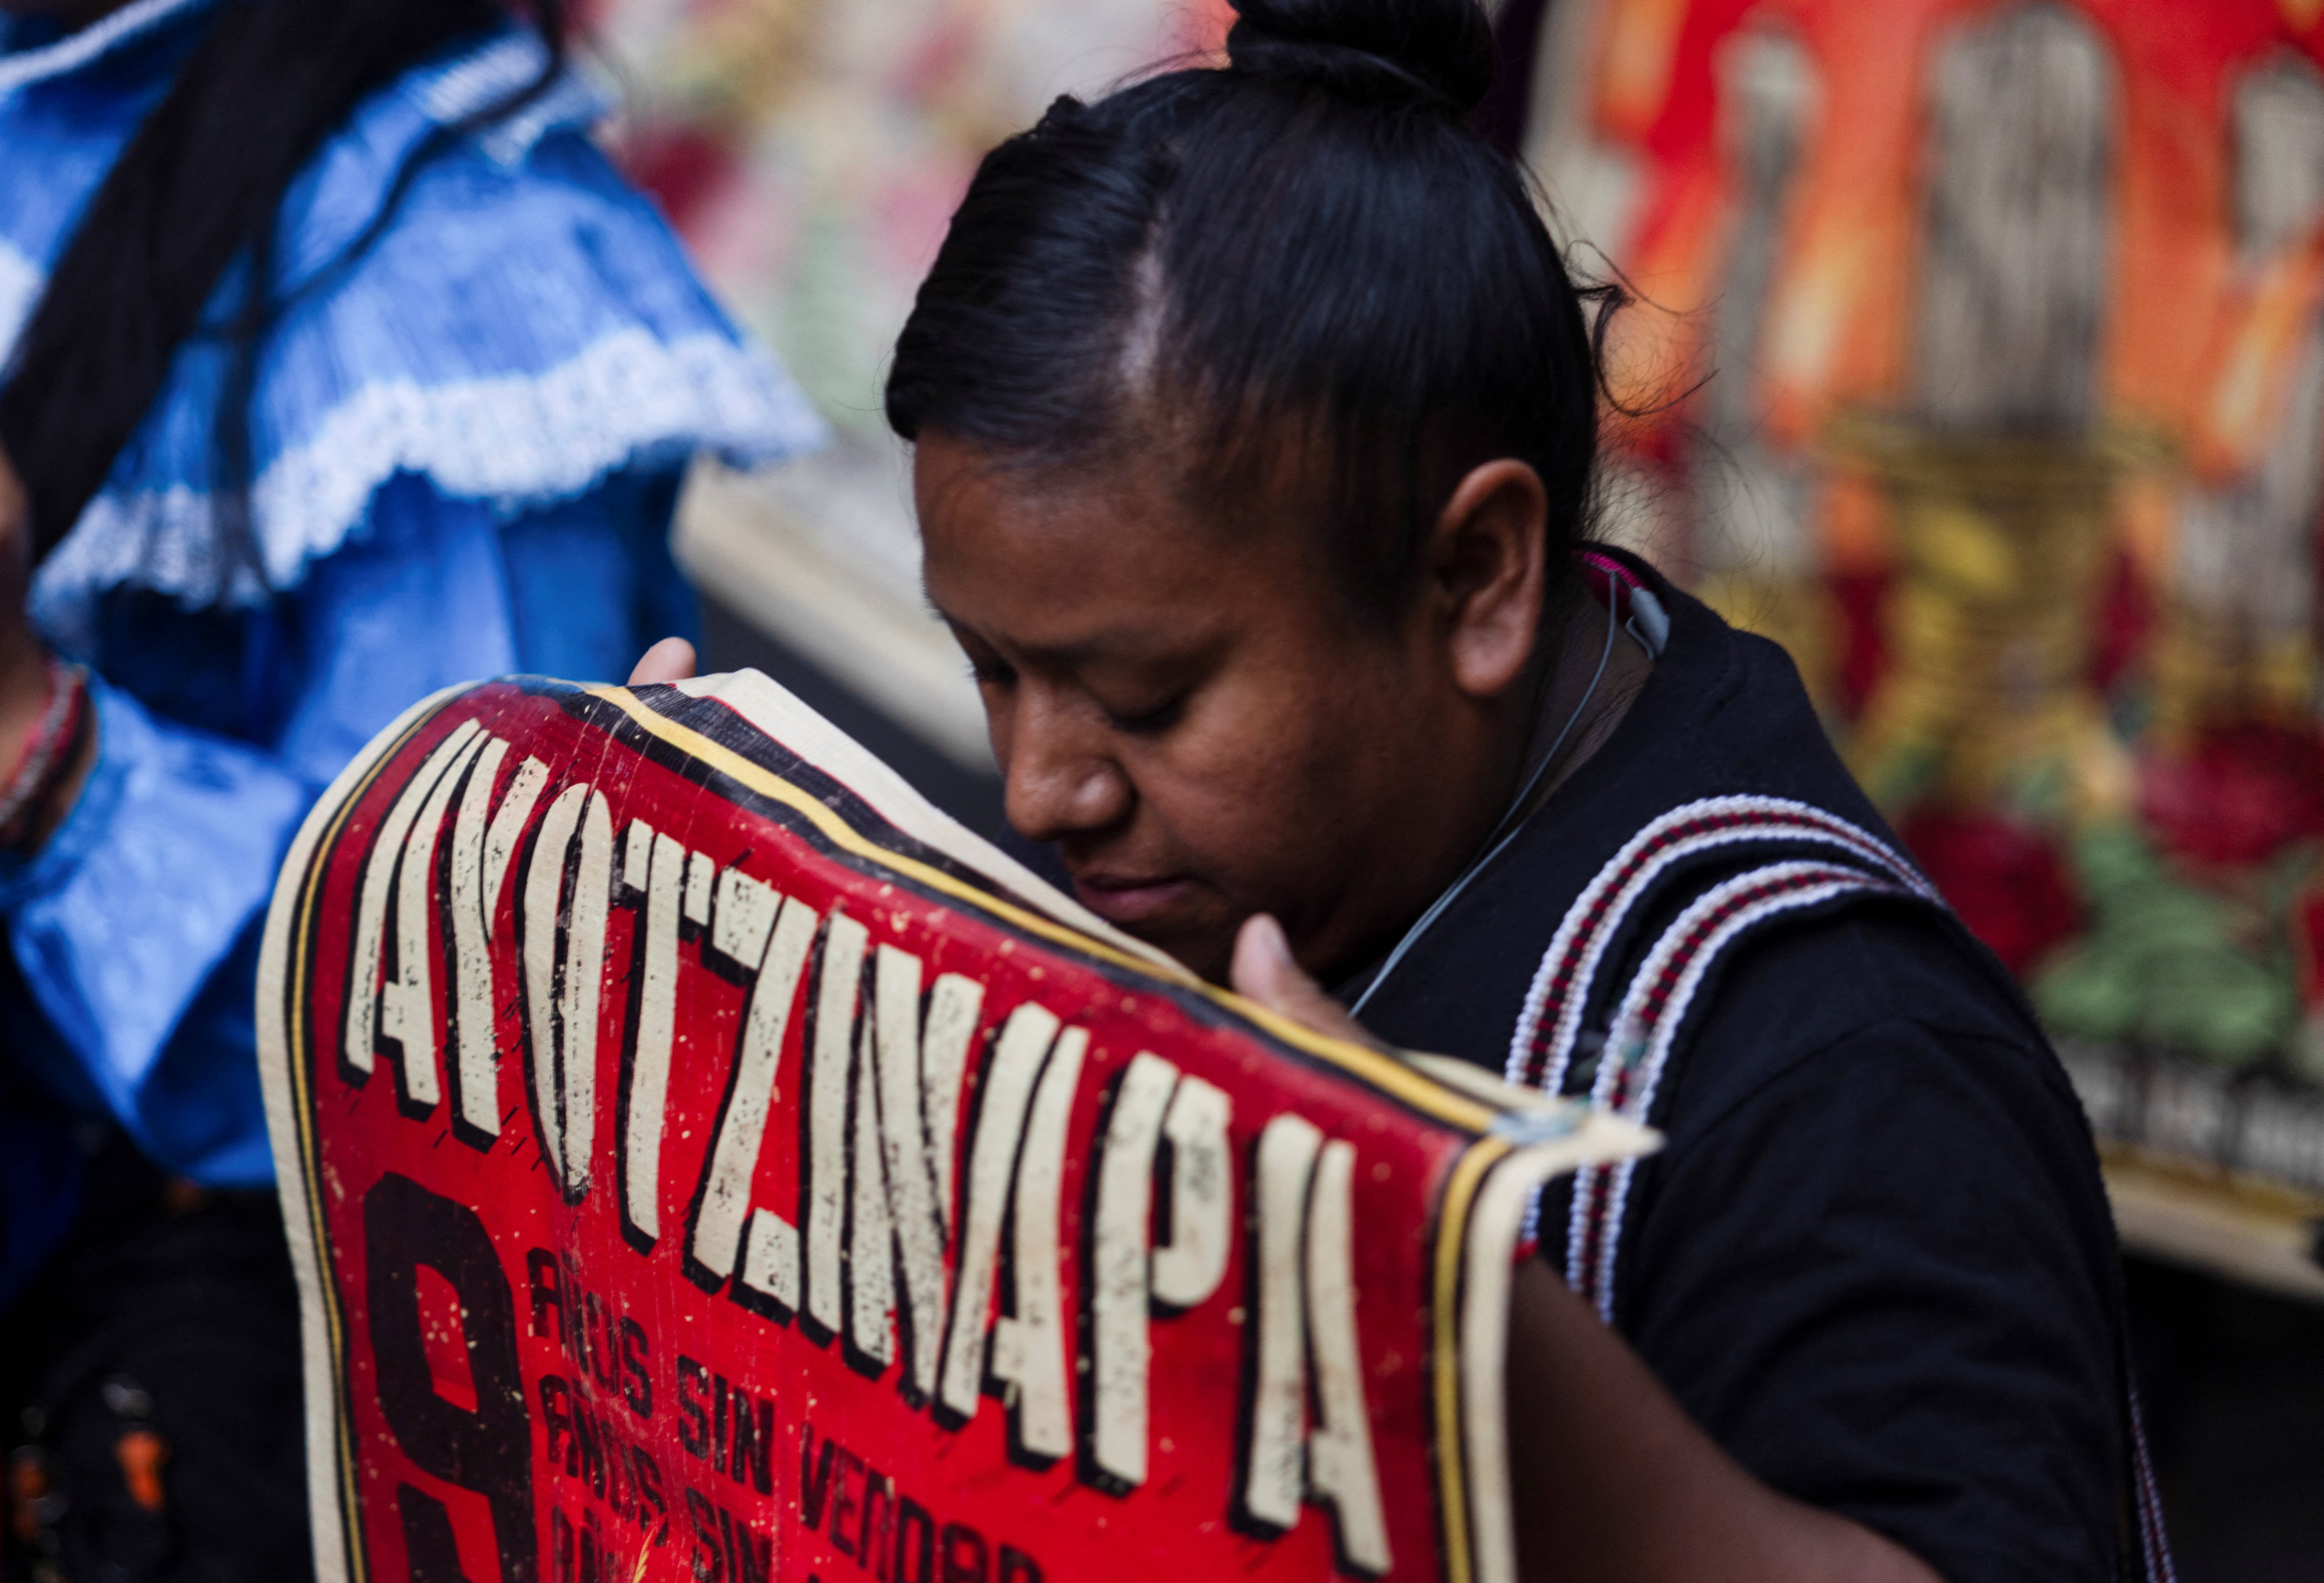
198	189
1304	267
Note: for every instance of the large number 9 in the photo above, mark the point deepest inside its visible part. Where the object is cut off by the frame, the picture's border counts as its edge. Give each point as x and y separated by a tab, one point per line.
488	1450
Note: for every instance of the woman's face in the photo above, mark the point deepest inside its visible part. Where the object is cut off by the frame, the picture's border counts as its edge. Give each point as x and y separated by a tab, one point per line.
1197	718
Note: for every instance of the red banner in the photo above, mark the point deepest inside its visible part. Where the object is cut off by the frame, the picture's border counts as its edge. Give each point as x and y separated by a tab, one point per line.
705	1161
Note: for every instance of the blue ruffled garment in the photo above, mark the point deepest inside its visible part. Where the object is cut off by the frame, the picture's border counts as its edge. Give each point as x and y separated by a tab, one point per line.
467	444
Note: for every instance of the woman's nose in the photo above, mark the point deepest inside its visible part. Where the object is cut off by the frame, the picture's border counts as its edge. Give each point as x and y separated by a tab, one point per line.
1060	778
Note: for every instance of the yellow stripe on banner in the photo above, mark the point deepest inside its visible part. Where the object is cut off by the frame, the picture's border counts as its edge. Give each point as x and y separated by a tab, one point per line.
1383	1071
295	1033
1452	1441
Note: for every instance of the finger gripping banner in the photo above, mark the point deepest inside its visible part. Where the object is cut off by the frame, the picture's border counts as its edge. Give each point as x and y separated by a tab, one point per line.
704	1160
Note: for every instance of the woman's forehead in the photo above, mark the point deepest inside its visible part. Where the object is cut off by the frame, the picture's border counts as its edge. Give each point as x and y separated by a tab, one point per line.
1029	534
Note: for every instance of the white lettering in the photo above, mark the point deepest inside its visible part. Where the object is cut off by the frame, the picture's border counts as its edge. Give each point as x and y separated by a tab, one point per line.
828	1069
779	964
1287	1147
564	961
871	1234
699	873
481	856
1029	1343
359	1046
1202	1196
1339	1466
991	1164
407	1000
657	866
1118	1274
952	1008
908	1144
770	1262
746	912
544	885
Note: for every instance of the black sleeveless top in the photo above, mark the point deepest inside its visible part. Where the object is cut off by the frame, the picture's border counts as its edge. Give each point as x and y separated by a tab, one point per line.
1874	1259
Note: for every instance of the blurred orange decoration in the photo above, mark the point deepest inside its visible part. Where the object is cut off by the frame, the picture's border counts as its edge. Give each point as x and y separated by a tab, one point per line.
1981	350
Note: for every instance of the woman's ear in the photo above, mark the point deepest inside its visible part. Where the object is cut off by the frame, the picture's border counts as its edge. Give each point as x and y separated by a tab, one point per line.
1485	557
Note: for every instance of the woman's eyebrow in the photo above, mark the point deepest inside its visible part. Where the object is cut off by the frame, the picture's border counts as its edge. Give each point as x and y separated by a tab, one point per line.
1107	643
1113	646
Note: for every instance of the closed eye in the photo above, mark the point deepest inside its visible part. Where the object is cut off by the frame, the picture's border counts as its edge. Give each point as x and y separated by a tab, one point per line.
1149	722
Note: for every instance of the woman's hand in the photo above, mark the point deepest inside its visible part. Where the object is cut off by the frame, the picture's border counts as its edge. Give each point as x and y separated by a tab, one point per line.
670	660
24	663
1264	971
20	649
24	671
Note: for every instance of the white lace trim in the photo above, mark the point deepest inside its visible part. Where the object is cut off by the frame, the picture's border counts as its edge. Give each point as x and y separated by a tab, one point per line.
491	73
76	50
516	440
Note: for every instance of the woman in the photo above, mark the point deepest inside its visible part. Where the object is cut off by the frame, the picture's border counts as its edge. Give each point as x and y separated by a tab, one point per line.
344	368
1254	416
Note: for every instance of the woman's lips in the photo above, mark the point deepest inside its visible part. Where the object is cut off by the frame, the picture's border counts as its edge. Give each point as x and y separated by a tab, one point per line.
1127	901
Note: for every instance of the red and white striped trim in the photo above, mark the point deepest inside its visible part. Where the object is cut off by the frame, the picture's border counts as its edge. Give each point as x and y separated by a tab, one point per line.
2153	1537
1559	993
1646	1025
1652	1015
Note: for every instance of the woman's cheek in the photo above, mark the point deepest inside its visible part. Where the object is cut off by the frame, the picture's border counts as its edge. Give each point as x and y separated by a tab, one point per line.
1280	804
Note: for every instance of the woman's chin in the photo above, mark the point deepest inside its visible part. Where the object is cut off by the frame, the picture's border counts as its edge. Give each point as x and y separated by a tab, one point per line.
1158	904
1178	924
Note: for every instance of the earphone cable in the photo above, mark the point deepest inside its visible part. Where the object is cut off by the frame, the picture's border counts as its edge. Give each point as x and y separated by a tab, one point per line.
1511	822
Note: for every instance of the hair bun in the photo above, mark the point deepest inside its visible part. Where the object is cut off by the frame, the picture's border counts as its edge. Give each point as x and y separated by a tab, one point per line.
1443	47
